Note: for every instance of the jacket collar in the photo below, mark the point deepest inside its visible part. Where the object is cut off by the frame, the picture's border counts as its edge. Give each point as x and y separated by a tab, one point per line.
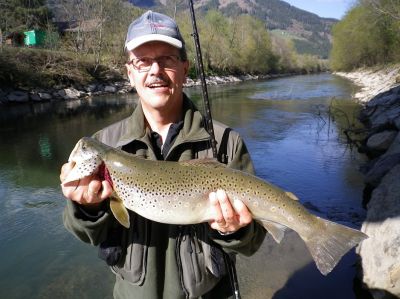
192	131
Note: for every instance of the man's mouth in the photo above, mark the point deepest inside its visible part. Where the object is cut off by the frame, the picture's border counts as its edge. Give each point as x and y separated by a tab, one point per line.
157	85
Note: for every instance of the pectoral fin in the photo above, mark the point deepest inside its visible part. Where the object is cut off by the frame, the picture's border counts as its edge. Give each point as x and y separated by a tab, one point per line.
276	230
119	211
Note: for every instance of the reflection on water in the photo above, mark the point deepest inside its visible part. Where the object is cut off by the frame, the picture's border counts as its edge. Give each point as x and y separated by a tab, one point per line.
294	143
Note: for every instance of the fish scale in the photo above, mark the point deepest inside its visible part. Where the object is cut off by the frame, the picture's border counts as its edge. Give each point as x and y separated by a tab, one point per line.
178	193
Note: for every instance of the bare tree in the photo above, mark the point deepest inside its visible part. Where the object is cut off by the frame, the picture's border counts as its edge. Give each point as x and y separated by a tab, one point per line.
390	8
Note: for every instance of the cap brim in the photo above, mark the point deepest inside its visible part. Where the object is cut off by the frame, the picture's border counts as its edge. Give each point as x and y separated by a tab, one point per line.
136	42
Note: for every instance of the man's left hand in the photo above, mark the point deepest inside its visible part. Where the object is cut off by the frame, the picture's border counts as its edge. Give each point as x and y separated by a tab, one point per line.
228	218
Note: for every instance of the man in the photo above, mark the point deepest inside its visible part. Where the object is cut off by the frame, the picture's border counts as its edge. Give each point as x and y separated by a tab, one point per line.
150	259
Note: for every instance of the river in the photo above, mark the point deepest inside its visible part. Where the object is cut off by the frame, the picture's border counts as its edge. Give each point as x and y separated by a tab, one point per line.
294	142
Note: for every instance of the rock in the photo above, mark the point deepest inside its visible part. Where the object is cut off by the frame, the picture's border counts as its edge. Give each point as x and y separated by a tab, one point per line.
385	99
384	115
396	122
91	87
18	97
45	96
35	97
69	93
110	88
381	141
395	146
380	168
380	253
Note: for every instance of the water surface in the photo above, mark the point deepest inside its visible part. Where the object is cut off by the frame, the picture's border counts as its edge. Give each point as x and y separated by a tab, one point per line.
294	142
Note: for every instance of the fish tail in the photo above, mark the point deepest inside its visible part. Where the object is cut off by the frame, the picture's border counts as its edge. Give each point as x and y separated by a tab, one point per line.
330	243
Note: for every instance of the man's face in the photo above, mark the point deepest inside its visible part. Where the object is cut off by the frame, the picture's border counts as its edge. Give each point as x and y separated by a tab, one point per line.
159	88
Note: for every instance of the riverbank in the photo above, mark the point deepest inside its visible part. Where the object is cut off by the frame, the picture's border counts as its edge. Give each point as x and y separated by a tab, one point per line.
57	93
380	253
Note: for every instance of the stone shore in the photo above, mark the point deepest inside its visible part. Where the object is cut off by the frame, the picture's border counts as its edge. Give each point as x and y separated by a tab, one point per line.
59	93
380	253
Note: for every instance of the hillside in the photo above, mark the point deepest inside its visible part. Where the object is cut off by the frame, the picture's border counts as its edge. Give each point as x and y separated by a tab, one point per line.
310	33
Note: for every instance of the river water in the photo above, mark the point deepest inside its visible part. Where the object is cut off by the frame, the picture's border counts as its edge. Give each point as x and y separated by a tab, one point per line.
294	142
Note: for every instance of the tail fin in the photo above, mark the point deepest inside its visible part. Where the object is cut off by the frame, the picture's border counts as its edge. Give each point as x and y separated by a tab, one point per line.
330	243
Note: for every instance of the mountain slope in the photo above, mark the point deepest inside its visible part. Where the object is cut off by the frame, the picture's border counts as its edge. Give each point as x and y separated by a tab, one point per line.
310	33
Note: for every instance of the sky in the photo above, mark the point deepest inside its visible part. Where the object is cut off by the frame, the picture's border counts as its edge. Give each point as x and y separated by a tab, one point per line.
324	8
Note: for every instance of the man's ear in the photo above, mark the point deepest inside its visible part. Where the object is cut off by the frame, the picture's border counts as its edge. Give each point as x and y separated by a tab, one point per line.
130	74
186	69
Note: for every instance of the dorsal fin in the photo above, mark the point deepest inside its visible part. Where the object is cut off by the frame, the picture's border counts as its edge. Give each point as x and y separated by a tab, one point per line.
291	195
207	162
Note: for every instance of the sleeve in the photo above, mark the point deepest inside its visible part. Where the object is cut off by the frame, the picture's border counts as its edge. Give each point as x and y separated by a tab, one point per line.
248	239
90	228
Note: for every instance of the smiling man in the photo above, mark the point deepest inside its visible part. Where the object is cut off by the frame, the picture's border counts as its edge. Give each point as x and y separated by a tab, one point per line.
150	259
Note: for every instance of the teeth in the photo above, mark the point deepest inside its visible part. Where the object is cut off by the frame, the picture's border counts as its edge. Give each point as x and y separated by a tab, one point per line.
157	85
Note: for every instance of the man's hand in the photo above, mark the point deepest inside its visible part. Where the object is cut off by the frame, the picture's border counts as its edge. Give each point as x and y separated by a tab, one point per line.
89	191
228	218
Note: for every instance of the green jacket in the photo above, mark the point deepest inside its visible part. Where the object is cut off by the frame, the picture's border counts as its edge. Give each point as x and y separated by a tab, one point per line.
160	260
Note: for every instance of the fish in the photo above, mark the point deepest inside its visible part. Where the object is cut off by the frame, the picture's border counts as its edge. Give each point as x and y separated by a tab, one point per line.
178	193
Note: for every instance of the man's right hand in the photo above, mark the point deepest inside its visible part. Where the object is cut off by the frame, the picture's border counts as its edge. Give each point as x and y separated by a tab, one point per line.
89	191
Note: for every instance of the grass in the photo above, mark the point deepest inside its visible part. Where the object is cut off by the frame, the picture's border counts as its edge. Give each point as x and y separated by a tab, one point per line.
39	68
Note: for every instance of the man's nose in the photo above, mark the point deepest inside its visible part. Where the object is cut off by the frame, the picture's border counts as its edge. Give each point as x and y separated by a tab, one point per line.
155	67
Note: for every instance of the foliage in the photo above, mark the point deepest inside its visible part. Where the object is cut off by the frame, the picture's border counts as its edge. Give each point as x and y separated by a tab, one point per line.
365	38
240	45
243	45
20	15
275	14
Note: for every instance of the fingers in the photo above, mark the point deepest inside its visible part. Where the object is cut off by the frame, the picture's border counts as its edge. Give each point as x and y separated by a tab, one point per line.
87	191
228	217
92	192
106	190
65	169
244	215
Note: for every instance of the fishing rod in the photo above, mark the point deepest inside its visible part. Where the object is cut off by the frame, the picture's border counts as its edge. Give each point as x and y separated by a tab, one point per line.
200	71
230	264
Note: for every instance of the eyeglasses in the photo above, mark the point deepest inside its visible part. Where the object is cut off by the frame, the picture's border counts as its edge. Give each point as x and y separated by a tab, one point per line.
143	64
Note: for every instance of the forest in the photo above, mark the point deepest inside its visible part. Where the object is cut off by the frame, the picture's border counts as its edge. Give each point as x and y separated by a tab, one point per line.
95	37
368	35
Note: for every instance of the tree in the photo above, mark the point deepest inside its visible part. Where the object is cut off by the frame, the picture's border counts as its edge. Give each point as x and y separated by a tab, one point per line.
18	15
100	27
389	8
364	38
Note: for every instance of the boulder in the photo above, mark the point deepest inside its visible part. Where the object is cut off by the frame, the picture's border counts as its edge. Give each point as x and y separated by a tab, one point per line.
110	88
69	93
379	169
381	141
35	97
380	253
396	122
384	115
18	97
91	87
45	96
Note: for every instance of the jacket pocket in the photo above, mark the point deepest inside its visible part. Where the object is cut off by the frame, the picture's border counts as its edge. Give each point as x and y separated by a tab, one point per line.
135	242
194	258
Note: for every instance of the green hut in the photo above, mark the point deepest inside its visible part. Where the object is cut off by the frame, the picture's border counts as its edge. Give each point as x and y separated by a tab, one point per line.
34	38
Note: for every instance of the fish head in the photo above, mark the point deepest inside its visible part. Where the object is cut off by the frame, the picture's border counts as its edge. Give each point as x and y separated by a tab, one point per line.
87	156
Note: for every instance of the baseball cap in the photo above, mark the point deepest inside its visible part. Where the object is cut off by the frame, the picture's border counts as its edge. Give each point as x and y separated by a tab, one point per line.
153	26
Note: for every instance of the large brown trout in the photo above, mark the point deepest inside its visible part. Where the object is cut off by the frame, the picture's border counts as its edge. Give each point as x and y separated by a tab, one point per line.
177	193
